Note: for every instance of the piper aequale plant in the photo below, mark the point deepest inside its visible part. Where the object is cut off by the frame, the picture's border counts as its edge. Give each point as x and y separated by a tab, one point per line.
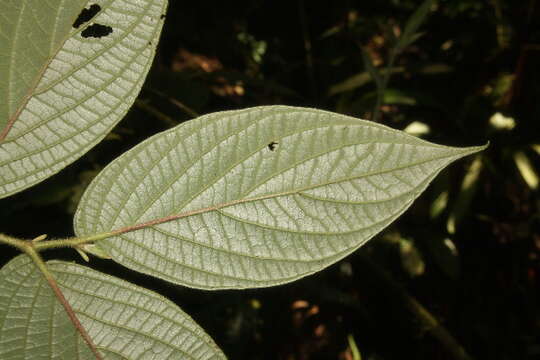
231	200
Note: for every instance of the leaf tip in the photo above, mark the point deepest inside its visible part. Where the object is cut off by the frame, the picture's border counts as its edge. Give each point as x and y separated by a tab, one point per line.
475	149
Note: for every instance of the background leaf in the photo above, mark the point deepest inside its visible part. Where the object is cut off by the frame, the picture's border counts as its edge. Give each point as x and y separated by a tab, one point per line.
409	34
256	197
125	321
67	82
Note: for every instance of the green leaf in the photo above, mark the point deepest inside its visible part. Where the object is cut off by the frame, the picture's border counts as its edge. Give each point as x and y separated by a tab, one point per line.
409	34
256	197
360	80
526	169
124	320
63	87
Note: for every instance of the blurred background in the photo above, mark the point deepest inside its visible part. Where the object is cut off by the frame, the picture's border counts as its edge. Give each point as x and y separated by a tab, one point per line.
456	277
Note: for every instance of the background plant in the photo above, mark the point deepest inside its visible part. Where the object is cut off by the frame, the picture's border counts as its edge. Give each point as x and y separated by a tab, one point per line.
491	45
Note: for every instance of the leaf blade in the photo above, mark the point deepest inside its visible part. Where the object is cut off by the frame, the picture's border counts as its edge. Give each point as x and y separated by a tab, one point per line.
124	320
208	204
414	22
73	88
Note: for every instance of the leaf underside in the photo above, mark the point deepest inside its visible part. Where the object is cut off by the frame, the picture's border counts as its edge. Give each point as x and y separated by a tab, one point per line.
124	320
256	197
66	82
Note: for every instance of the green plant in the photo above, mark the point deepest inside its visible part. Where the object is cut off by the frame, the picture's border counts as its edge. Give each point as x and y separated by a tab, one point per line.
238	199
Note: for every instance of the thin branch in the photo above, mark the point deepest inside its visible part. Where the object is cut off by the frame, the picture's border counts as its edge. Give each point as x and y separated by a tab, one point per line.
175	102
17	243
308	48
381	88
145	106
71	242
29	249
427	321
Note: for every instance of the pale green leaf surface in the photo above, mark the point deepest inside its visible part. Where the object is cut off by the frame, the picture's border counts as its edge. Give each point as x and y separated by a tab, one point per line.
208	204
61	92
124	320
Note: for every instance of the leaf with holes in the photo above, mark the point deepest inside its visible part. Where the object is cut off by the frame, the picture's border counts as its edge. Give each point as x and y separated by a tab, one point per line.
70	70
256	197
123	320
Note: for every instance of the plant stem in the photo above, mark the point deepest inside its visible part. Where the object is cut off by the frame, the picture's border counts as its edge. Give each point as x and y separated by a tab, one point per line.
144	105
307	48
175	102
34	255
392	290
17	243
70	242
384	83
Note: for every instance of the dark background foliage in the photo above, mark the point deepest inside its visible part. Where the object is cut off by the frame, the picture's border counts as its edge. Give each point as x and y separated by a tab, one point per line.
467	251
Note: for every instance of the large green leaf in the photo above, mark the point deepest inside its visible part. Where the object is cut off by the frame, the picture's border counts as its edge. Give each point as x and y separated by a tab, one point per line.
64	84
124	320
256	197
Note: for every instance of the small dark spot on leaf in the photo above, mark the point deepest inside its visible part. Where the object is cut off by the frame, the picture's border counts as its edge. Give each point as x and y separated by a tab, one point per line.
149	43
96	31
162	16
272	145
86	15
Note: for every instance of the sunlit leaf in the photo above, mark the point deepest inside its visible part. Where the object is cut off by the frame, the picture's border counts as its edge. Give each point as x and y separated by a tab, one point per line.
256	197
124	320
70	71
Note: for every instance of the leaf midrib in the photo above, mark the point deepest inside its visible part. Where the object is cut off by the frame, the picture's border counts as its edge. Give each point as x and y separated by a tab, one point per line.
236	253
269	196
127	304
80	101
32	88
143	146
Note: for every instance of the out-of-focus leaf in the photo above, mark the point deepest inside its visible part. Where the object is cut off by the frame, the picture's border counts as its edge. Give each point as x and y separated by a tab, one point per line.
414	22
411	40
417	128
354	348
501	122
411	259
526	169
444	254
435	69
398	97
466	194
359	80
439	204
